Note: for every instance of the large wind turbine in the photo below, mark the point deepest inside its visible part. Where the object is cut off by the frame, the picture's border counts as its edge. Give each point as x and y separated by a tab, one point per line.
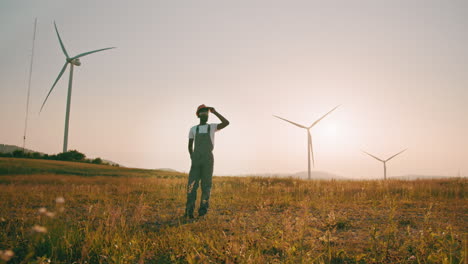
310	152
73	61
384	161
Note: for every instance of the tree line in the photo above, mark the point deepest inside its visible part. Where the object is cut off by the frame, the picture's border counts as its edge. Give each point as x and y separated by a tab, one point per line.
71	155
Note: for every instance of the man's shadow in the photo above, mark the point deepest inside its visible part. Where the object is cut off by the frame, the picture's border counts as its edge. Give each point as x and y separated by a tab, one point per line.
157	225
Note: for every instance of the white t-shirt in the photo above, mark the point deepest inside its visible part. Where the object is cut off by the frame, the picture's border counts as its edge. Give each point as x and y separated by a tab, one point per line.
203	129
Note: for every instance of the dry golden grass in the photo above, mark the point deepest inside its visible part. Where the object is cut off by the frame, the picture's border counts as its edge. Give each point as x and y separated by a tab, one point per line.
135	219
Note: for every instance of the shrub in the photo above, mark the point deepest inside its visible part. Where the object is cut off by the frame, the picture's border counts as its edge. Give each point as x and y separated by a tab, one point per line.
97	161
72	155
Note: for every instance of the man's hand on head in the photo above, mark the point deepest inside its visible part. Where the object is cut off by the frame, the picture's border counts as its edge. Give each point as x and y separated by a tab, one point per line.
224	121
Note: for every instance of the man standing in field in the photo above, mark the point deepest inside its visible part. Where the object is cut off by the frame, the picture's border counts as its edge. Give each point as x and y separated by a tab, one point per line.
202	159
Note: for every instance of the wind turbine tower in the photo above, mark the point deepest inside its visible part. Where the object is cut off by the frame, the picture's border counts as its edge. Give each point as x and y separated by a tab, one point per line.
73	61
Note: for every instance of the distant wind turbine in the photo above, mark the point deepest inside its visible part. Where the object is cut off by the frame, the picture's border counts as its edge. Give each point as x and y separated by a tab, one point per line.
310	152
385	161
73	61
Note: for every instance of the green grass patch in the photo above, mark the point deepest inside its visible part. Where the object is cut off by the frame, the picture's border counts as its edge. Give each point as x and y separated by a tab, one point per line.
21	166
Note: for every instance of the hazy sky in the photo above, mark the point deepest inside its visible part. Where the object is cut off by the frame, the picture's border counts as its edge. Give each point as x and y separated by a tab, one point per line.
399	69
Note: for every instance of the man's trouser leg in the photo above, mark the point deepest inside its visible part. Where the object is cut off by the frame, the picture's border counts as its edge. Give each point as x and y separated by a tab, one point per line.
206	176
192	186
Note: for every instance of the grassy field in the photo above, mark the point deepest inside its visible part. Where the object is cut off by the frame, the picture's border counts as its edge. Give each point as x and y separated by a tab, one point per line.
13	166
83	213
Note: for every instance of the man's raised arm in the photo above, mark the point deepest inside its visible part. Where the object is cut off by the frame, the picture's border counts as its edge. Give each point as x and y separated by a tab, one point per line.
224	121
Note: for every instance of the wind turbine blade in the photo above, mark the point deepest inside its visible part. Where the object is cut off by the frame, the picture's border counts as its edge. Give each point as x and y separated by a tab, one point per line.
90	52
311	149
61	43
373	156
396	155
58	78
296	124
324	116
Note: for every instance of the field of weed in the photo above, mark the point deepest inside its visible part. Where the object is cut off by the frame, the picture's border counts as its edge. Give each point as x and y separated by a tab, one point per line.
62	212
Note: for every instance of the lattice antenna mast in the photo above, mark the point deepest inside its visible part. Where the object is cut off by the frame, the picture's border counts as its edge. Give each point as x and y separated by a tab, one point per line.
29	86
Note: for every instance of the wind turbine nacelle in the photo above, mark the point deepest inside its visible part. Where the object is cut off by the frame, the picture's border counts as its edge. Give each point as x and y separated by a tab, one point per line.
76	62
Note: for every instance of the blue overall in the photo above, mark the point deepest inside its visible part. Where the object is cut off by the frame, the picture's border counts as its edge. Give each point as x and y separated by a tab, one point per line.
200	171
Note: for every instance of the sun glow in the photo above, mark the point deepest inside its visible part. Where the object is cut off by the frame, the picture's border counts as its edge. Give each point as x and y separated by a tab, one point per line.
330	130
337	134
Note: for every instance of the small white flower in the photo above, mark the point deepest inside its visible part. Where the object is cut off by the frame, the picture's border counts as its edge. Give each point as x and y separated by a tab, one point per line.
60	200
50	214
6	255
39	229
42	210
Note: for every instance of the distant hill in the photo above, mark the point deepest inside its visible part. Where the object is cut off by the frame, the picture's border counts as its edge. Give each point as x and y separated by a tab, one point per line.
314	175
411	177
318	175
21	166
110	162
10	148
166	169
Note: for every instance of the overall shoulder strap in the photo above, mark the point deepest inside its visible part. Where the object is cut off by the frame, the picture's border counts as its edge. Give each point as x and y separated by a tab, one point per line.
197	130
209	127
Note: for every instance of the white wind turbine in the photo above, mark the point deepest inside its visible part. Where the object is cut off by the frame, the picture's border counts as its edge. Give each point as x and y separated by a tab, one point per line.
310	152
384	161
73	61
